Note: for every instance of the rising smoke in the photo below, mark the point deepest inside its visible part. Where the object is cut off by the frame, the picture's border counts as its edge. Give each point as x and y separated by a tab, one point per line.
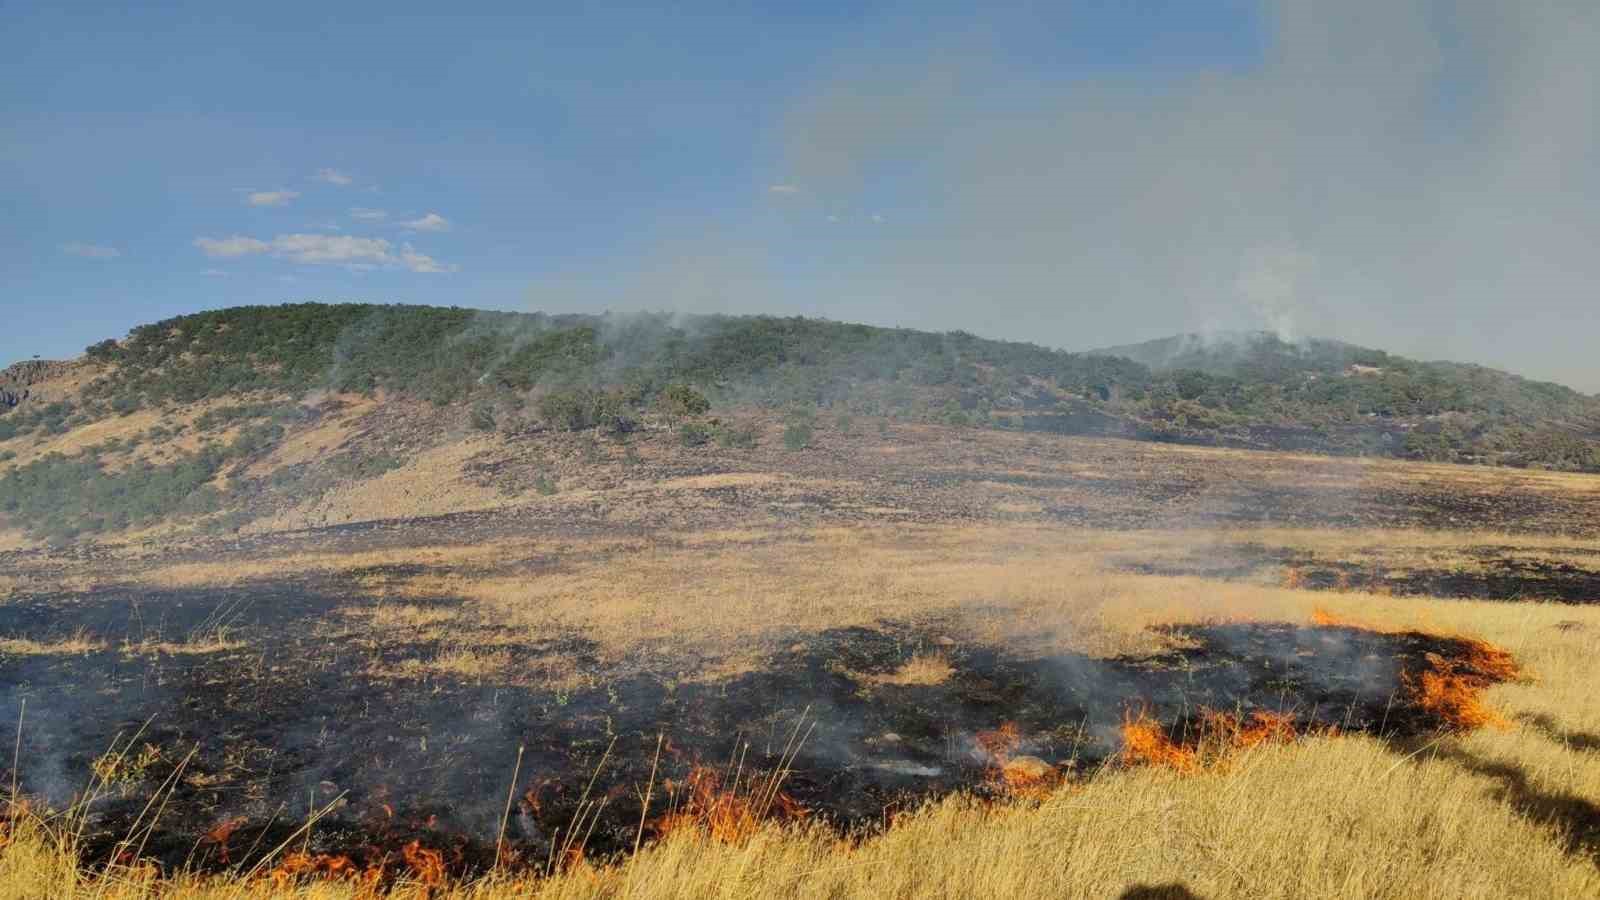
1416	177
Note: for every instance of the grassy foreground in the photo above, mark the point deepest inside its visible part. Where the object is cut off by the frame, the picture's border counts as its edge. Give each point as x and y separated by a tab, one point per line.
1328	818
1501	812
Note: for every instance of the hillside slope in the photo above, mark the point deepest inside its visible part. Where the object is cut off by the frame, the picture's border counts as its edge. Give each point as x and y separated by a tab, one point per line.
251	414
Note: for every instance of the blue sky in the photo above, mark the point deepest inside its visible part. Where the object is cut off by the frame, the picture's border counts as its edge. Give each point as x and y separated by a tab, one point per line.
873	163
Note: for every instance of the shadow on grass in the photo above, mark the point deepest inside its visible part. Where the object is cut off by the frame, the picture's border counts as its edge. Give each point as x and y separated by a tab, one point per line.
1575	818
1552	729
1170	891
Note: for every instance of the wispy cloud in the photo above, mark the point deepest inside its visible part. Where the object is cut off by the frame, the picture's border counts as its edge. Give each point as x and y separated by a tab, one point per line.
430	222
333	176
229	247
91	251
270	198
325	249
783	189
368	215
215	273
420	262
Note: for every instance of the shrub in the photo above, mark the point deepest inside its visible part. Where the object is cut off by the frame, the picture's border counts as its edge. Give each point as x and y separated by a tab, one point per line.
692	434
679	400
797	436
580	409
482	417
736	436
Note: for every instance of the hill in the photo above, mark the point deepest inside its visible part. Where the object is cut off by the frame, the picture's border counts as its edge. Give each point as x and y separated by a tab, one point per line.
228	415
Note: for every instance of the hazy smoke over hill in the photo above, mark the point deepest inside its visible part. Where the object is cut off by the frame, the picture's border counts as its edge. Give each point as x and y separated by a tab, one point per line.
1415	176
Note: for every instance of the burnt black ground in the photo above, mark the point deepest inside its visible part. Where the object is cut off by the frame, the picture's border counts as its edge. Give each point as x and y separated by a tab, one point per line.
1497	573
292	720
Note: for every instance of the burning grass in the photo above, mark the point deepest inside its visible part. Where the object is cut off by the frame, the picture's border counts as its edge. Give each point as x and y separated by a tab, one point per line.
1213	739
905	726
1452	689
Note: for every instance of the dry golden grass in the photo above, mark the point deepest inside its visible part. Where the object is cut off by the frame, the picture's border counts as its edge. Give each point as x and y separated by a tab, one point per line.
218	643
315	442
922	668
223	573
77	643
15	539
471	663
725	592
1342	818
430	482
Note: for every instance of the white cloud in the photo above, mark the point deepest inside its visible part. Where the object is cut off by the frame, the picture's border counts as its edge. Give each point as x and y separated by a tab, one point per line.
91	251
783	189
229	247
333	176
357	253
215	273
368	215
329	248
270	198
430	222
418	262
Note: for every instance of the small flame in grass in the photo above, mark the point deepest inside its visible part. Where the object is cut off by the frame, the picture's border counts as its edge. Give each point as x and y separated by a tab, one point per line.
1010	773
1327	618
1233	732
427	865
1001	742
297	865
427	868
1452	689
220	834
1293	578
1146	742
728	813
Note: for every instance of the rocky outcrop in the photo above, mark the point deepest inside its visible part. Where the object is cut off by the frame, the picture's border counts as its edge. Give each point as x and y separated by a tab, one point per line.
17	380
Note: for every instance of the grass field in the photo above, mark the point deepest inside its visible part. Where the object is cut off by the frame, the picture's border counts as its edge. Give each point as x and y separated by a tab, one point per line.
293	696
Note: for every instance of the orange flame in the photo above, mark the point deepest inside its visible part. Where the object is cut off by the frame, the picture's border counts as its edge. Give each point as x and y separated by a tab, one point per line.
1001	742
1009	773
299	865
1327	618
726	813
1452	690
220	834
428	865
1231	732
1293	578
1145	742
